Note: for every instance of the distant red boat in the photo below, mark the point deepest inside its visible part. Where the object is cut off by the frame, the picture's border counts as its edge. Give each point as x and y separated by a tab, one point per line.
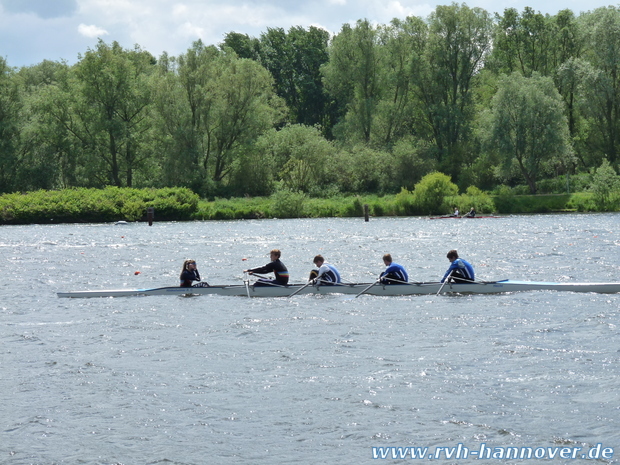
447	217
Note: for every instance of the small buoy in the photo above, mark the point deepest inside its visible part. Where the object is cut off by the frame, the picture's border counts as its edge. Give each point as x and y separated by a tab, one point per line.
244	259
137	272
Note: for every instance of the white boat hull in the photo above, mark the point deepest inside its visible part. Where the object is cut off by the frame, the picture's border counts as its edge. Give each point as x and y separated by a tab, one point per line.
430	288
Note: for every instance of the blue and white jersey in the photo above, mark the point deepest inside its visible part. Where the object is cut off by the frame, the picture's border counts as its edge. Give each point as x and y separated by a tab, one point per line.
395	274
463	267
328	274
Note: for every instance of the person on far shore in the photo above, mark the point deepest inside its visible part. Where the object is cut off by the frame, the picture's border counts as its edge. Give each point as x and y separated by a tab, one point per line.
190	273
394	273
456	211
326	273
276	267
471	213
462	271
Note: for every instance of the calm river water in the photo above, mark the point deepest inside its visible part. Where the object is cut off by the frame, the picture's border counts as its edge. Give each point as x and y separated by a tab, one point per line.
308	379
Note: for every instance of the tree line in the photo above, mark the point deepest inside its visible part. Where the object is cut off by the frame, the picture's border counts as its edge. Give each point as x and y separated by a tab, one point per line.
489	99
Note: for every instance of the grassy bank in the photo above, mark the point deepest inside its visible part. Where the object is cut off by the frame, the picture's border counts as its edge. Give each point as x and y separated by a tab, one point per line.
178	204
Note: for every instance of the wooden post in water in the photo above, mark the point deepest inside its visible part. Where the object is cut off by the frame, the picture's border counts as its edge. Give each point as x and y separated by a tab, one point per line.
150	213
365	212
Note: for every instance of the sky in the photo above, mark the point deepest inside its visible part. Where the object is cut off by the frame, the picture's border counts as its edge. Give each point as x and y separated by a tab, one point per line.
60	30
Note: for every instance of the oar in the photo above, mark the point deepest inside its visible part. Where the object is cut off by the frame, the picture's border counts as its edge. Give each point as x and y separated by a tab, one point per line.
313	281
367	288
444	282
477	281
301	288
403	282
246	280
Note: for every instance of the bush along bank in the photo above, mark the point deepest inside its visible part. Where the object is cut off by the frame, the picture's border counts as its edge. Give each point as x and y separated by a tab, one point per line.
180	204
81	205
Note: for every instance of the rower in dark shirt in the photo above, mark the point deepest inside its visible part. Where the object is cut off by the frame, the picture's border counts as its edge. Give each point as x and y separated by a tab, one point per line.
189	273
471	213
276	267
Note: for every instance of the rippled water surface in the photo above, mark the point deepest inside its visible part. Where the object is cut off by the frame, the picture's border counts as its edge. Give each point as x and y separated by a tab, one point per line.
308	379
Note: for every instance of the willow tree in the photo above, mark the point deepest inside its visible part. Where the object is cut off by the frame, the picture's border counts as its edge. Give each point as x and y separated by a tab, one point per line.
50	156
112	104
524	42
459	40
527	127
601	82
213	105
243	105
353	76
403	43
10	103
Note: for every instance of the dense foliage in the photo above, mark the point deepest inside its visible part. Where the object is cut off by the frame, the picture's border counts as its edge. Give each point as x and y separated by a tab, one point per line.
517	98
434	194
97	205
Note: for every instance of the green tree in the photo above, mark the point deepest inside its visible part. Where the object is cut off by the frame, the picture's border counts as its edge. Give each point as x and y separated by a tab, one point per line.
402	45
430	192
10	103
606	187
353	76
50	156
294	59
243	45
361	169
601	84
524	42
459	40
213	105
243	107
113	106
527	126
296	155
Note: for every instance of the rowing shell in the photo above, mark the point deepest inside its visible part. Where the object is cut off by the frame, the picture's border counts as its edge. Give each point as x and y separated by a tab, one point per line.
447	217
431	288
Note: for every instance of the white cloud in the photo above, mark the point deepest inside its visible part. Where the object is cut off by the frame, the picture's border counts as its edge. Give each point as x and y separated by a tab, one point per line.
91	31
191	31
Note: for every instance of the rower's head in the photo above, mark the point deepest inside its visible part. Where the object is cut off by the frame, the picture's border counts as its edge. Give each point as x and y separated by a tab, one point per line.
387	259
189	264
275	254
318	260
453	255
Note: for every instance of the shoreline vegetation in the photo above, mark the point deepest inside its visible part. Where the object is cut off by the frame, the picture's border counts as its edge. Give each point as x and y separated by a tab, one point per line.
89	205
412	118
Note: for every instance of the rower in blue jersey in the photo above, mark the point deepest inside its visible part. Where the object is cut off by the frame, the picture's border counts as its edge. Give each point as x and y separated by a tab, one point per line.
326	274
394	273
462	271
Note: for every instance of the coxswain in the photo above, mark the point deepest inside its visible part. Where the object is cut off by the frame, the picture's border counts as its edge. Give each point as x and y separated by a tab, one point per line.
190	273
